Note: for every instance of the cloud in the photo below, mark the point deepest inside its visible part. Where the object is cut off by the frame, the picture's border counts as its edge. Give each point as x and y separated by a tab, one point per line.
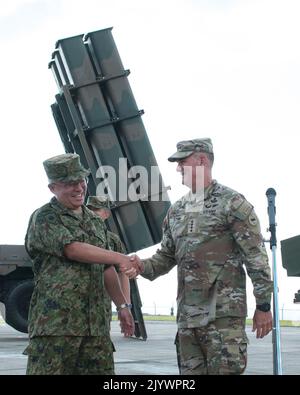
10	7
19	17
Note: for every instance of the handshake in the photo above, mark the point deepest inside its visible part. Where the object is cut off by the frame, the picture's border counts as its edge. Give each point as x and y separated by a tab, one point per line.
131	265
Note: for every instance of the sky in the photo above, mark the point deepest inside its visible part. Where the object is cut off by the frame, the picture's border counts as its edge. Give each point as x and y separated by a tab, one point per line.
228	70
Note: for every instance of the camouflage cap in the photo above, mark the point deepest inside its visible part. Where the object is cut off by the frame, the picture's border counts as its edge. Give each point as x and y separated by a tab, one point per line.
65	168
188	147
99	202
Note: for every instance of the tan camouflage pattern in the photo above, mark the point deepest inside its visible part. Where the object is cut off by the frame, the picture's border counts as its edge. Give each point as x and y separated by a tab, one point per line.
65	168
68	296
70	355
188	147
210	247
99	202
223	348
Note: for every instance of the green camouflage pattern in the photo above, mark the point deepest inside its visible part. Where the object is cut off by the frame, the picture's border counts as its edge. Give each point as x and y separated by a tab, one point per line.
188	147
223	348
68	296
65	168
114	244
70	355
99	202
210	245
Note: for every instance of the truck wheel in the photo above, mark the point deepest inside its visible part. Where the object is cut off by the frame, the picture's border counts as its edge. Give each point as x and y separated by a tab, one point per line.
17	305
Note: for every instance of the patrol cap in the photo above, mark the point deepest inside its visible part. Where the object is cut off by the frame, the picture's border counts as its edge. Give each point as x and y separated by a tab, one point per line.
188	147
99	202
65	168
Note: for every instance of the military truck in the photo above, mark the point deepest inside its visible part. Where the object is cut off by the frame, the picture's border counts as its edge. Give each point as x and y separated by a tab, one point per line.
290	253
97	117
16	285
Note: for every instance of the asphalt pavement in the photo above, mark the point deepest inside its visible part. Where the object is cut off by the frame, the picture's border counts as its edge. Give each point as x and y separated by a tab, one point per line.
156	355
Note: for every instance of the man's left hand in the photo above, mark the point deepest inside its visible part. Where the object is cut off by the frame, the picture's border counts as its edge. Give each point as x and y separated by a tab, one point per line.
126	322
262	323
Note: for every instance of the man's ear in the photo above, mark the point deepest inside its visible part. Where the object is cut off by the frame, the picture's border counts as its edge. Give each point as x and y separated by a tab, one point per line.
201	159
51	187
204	160
107	214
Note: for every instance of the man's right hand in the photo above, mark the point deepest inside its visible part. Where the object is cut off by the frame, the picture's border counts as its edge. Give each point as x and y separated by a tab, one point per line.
138	264
128	267
131	265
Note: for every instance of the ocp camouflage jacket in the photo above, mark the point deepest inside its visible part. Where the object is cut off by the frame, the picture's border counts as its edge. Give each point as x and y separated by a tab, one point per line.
210	239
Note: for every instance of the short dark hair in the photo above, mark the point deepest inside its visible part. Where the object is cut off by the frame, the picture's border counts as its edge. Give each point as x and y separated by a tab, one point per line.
211	157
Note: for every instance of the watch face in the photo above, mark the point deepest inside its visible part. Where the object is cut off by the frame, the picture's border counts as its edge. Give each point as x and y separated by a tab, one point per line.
265	307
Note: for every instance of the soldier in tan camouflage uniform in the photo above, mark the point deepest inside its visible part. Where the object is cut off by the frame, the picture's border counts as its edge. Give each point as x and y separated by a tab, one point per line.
67	243
101	206
210	234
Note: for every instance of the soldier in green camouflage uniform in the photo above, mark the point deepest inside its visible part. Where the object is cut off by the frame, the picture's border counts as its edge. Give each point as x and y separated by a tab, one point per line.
101	206
210	234
67	243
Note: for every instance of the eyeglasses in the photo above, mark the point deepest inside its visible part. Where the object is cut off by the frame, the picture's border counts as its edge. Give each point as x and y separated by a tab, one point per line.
73	184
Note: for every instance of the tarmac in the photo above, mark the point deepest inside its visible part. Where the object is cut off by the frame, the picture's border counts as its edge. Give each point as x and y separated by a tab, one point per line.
156	355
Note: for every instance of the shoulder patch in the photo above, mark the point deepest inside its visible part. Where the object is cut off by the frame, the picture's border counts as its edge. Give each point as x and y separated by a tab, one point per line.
241	208
253	221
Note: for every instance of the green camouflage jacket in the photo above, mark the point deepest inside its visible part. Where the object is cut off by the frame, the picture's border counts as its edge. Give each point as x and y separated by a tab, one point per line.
210	240
68	296
114	243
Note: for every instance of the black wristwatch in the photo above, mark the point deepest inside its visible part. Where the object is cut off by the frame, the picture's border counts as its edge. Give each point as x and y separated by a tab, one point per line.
265	307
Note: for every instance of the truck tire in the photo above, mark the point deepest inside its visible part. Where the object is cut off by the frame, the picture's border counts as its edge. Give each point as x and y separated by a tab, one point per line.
17	305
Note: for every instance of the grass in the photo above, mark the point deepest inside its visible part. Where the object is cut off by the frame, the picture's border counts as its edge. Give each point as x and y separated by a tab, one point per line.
281	322
153	317
173	318
159	317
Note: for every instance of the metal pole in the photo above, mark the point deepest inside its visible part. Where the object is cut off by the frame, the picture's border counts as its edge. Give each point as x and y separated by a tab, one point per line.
277	366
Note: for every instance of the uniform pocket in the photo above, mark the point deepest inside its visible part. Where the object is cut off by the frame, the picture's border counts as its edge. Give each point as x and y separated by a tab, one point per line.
34	348
233	359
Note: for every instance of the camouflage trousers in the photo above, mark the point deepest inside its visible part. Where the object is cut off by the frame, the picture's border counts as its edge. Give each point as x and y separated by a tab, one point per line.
220	348
70	355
